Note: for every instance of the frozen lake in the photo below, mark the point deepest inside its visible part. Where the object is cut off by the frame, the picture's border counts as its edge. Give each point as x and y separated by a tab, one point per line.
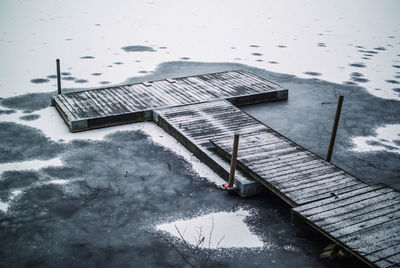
53	207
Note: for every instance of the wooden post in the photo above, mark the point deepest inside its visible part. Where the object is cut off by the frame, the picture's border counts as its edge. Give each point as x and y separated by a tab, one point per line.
335	125
233	160
58	77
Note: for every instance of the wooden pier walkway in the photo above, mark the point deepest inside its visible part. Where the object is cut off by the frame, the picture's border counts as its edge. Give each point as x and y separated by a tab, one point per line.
364	219
134	103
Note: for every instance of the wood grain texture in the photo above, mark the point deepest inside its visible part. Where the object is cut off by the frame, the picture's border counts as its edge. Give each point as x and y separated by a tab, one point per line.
366	221
107	105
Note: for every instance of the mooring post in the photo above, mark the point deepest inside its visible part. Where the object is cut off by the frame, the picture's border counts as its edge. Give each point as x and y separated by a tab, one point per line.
58	77
233	160
335	125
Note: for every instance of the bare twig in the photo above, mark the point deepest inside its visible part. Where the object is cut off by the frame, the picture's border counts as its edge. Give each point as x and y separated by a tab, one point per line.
193	251
176	249
196	250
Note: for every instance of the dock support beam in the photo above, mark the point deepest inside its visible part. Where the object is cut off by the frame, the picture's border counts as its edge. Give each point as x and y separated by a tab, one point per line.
233	160
335	125
58	77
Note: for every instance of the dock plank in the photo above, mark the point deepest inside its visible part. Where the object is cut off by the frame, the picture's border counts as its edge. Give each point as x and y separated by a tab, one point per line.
119	103
365	221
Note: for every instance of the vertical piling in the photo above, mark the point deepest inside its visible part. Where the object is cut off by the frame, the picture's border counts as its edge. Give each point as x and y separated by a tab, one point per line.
233	160
335	125
58	77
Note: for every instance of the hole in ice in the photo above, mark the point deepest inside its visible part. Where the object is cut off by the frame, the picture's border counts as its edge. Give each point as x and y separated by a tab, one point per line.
138	49
40	80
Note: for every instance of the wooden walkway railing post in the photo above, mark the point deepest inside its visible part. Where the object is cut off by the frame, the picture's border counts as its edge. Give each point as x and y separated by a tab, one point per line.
233	160
58	77
335	125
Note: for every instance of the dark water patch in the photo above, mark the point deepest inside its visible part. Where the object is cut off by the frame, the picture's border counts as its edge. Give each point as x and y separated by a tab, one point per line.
360	79
162	47
365	58
282	46
96	74
312	73
256	54
97	24
368	51
68	39
143	72
39	80
109	66
118	63
356	74
380	48
63	173
30	117
20	143
237	58
259	60
380	144
350	83
81	81
397	89
254	46
65	73
18	179
52	76
29	102
320	34
391	36
68	78
184	58
233	47
358	65
397	76
391	81
321	44
87	57
138	49
396	66
104	82
360	47
7	112
368	55
138	61
273	62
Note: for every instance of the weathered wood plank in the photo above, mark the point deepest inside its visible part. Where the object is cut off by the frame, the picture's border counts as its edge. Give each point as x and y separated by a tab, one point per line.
362	195
370	237
340	214
331	200
373	218
391	255
327	194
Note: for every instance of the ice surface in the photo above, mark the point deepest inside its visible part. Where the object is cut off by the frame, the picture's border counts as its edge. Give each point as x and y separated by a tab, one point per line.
323	37
219	230
31	164
387	138
59	132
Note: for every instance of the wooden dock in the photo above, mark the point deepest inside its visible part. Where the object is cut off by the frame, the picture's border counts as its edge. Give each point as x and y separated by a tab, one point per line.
365	221
199	112
134	103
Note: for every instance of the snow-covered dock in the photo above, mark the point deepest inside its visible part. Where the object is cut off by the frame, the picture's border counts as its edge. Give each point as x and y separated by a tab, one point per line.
365	221
199	112
134	103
